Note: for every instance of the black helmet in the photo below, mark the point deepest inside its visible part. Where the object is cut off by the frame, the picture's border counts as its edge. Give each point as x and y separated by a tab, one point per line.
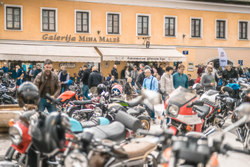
50	135
28	93
101	88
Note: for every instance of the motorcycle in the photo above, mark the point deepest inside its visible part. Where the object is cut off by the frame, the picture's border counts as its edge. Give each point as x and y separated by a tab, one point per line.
193	148
181	117
4	97
21	139
243	131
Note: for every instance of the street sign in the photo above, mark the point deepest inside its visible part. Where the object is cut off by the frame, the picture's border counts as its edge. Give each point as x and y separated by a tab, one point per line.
185	52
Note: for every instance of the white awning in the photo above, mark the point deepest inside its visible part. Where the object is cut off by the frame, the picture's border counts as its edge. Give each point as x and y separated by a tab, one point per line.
57	53
141	54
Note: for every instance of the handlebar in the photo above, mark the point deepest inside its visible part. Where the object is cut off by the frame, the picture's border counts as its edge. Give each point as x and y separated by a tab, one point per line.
227	147
53	100
156	134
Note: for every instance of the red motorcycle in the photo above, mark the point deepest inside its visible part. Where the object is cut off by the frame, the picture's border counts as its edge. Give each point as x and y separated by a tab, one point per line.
185	112
20	138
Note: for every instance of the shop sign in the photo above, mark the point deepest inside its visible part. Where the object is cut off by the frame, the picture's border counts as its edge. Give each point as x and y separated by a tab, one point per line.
68	65
185	52
134	58
190	66
83	38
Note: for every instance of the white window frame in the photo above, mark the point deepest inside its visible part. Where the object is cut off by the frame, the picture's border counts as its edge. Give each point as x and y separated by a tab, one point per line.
120	22
164	23
248	29
225	29
41	19
78	10
201	35
5	19
149	24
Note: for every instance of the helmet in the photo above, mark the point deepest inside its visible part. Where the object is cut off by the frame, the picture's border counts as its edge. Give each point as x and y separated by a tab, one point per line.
117	90
50	135
28	93
101	88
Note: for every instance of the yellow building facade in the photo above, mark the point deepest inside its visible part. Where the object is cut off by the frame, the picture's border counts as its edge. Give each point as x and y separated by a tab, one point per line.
199	30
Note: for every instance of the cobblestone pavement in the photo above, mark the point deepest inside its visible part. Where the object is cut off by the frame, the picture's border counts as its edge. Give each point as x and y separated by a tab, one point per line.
4	144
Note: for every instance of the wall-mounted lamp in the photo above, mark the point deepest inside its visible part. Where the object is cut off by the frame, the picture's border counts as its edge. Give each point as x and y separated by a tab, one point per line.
183	36
98	32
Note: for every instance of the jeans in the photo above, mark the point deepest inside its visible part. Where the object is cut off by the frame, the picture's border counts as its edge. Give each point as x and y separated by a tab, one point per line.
151	113
44	104
64	87
85	91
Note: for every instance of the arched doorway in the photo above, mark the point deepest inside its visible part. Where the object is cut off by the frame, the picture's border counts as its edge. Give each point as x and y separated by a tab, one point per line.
217	63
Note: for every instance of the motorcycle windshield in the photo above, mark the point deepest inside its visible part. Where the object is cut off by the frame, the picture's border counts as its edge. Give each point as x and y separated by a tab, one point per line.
180	96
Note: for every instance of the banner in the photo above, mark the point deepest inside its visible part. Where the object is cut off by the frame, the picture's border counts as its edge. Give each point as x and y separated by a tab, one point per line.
222	57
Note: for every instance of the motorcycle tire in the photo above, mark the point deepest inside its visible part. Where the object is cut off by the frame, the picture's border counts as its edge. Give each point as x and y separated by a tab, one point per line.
145	122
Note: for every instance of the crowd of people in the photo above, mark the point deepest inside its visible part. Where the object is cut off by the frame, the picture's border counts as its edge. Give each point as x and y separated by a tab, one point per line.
153	77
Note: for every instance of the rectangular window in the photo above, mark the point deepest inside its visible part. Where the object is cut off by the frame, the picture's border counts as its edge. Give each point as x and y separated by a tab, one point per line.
48	20
221	29
82	22
196	28
142	25
113	23
13	18
170	26
243	26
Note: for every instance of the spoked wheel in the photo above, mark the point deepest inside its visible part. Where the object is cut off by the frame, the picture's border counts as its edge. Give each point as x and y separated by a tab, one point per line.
145	122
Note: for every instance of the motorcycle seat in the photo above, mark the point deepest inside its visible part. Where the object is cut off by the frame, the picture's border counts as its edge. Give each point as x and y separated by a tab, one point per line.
203	111
81	103
138	149
115	131
212	92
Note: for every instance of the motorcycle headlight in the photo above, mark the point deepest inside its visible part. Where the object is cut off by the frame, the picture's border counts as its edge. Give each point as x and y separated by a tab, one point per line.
16	134
76	158
173	110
